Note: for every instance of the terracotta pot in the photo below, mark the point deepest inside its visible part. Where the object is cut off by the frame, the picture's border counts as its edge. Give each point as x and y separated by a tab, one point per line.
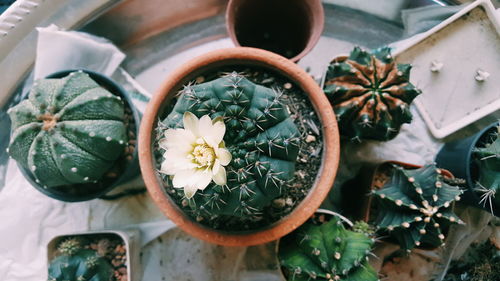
290	28
241	57
369	182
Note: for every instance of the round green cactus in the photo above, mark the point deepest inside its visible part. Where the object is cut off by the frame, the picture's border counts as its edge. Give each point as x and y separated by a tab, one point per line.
415	206
262	139
80	265
487	159
68	131
326	252
370	93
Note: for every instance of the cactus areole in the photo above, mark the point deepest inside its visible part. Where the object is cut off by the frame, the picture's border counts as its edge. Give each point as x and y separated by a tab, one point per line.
262	140
68	131
370	94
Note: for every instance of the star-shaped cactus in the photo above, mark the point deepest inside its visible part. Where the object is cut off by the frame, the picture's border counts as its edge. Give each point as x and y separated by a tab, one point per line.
415	206
370	93
326	252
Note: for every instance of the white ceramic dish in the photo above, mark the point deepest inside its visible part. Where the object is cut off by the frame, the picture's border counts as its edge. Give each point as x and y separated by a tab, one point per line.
464	44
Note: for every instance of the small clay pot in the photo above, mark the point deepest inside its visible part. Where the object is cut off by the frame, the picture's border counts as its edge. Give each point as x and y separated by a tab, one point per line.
211	62
457	157
89	191
290	28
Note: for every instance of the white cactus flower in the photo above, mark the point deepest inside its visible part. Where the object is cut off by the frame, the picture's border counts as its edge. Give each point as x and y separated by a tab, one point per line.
195	155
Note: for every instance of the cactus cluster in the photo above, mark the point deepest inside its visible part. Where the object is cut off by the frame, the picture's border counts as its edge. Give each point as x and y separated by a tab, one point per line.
262	139
68	131
77	264
370	94
487	159
415	206
326	252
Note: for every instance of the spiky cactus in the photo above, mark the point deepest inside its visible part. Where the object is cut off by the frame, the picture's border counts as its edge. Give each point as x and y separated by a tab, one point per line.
77	264
415	206
487	159
370	94
262	139
68	131
326	252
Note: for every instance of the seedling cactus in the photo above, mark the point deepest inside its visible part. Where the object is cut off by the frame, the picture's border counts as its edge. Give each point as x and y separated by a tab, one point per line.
326	252
261	138
68	131
77	264
415	206
487	159
370	94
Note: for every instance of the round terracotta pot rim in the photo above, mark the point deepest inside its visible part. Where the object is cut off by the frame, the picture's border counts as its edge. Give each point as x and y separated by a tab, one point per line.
322	184
318	21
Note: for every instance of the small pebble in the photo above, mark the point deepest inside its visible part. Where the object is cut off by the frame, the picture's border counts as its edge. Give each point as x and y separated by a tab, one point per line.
310	138
287	86
200	79
279	203
289	201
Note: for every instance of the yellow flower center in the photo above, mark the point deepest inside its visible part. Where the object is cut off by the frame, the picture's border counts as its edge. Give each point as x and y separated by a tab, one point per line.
203	154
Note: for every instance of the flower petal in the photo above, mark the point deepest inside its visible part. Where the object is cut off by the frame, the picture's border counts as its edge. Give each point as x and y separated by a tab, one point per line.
218	131
220	178
183	178
191	123
224	156
203	179
179	139
190	191
216	166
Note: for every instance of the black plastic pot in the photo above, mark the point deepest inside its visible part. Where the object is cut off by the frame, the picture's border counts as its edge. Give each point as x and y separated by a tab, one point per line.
126	169
457	157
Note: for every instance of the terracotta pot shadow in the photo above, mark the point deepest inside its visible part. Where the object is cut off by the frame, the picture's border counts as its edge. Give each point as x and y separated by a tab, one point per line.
290	28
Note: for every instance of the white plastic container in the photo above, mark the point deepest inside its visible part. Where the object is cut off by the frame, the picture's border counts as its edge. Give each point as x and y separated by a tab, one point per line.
447	61
131	241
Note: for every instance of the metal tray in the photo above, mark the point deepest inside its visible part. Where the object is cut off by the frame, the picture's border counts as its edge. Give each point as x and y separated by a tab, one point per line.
159	35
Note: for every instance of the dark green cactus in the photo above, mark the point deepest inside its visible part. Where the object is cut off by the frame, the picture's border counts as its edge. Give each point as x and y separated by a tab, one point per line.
370	94
68	131
415	206
77	264
487	159
326	252
262	139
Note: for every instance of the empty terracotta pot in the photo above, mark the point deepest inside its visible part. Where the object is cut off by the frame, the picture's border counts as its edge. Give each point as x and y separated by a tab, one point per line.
290	28
212	62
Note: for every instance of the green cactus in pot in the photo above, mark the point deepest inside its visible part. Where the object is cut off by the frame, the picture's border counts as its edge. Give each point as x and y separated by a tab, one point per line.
326	252
487	160
415	206
237	157
68	131
77	264
370	93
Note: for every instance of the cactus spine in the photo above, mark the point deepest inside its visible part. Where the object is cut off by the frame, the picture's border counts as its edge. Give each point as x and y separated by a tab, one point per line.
68	131
370	93
326	252
262	139
415	206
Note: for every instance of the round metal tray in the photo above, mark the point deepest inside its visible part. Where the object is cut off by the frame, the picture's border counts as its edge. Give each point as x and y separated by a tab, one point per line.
158	36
